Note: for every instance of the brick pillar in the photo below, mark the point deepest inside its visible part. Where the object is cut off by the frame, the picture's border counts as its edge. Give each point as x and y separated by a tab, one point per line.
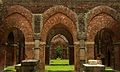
2	57
15	51
47	54
77	56
42	57
71	54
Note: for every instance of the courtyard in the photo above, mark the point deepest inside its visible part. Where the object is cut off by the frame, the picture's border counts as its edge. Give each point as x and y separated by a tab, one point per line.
58	65
59	35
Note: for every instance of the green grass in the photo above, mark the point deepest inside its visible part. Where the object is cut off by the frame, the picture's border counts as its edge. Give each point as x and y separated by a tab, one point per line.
59	66
9	69
109	69
59	61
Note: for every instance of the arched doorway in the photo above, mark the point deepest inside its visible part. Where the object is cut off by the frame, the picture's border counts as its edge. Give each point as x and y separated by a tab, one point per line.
59	29
59	44
15	50
10	50
104	47
66	19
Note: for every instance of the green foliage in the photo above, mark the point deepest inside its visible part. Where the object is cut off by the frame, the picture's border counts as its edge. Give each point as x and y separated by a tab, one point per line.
58	51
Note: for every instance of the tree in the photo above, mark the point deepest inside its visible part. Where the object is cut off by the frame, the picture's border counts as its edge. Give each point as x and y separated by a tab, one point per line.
58	51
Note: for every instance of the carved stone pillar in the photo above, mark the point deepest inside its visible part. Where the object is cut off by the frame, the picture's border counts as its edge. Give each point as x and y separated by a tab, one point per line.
83	50
82	37
36	25
77	56
42	57
83	57
37	47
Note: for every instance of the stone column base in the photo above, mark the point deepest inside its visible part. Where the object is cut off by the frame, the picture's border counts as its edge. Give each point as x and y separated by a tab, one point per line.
93	68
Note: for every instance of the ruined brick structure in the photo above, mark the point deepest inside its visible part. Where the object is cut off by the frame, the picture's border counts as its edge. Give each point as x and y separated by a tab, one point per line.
90	26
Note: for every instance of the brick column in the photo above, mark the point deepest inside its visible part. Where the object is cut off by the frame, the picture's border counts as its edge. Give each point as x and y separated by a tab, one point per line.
47	54
42	57
71	54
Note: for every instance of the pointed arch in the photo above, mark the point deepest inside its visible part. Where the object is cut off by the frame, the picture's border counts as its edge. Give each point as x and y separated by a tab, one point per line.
63	10
101	9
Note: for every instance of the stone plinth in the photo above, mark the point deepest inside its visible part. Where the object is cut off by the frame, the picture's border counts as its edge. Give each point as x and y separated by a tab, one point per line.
94	62
30	66
93	68
18	67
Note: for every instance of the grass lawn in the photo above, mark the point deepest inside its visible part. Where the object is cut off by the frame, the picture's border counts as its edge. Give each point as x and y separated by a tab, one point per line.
56	66
9	69
59	65
109	69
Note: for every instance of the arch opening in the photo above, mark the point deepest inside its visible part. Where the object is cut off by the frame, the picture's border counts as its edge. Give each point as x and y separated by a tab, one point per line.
59	47
59	29
15	51
104	48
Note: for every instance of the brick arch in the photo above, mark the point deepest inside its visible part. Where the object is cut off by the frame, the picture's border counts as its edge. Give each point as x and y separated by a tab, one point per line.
16	20
60	9
105	11
61	37
101	9
59	18
59	40
98	18
21	10
99	22
59	29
